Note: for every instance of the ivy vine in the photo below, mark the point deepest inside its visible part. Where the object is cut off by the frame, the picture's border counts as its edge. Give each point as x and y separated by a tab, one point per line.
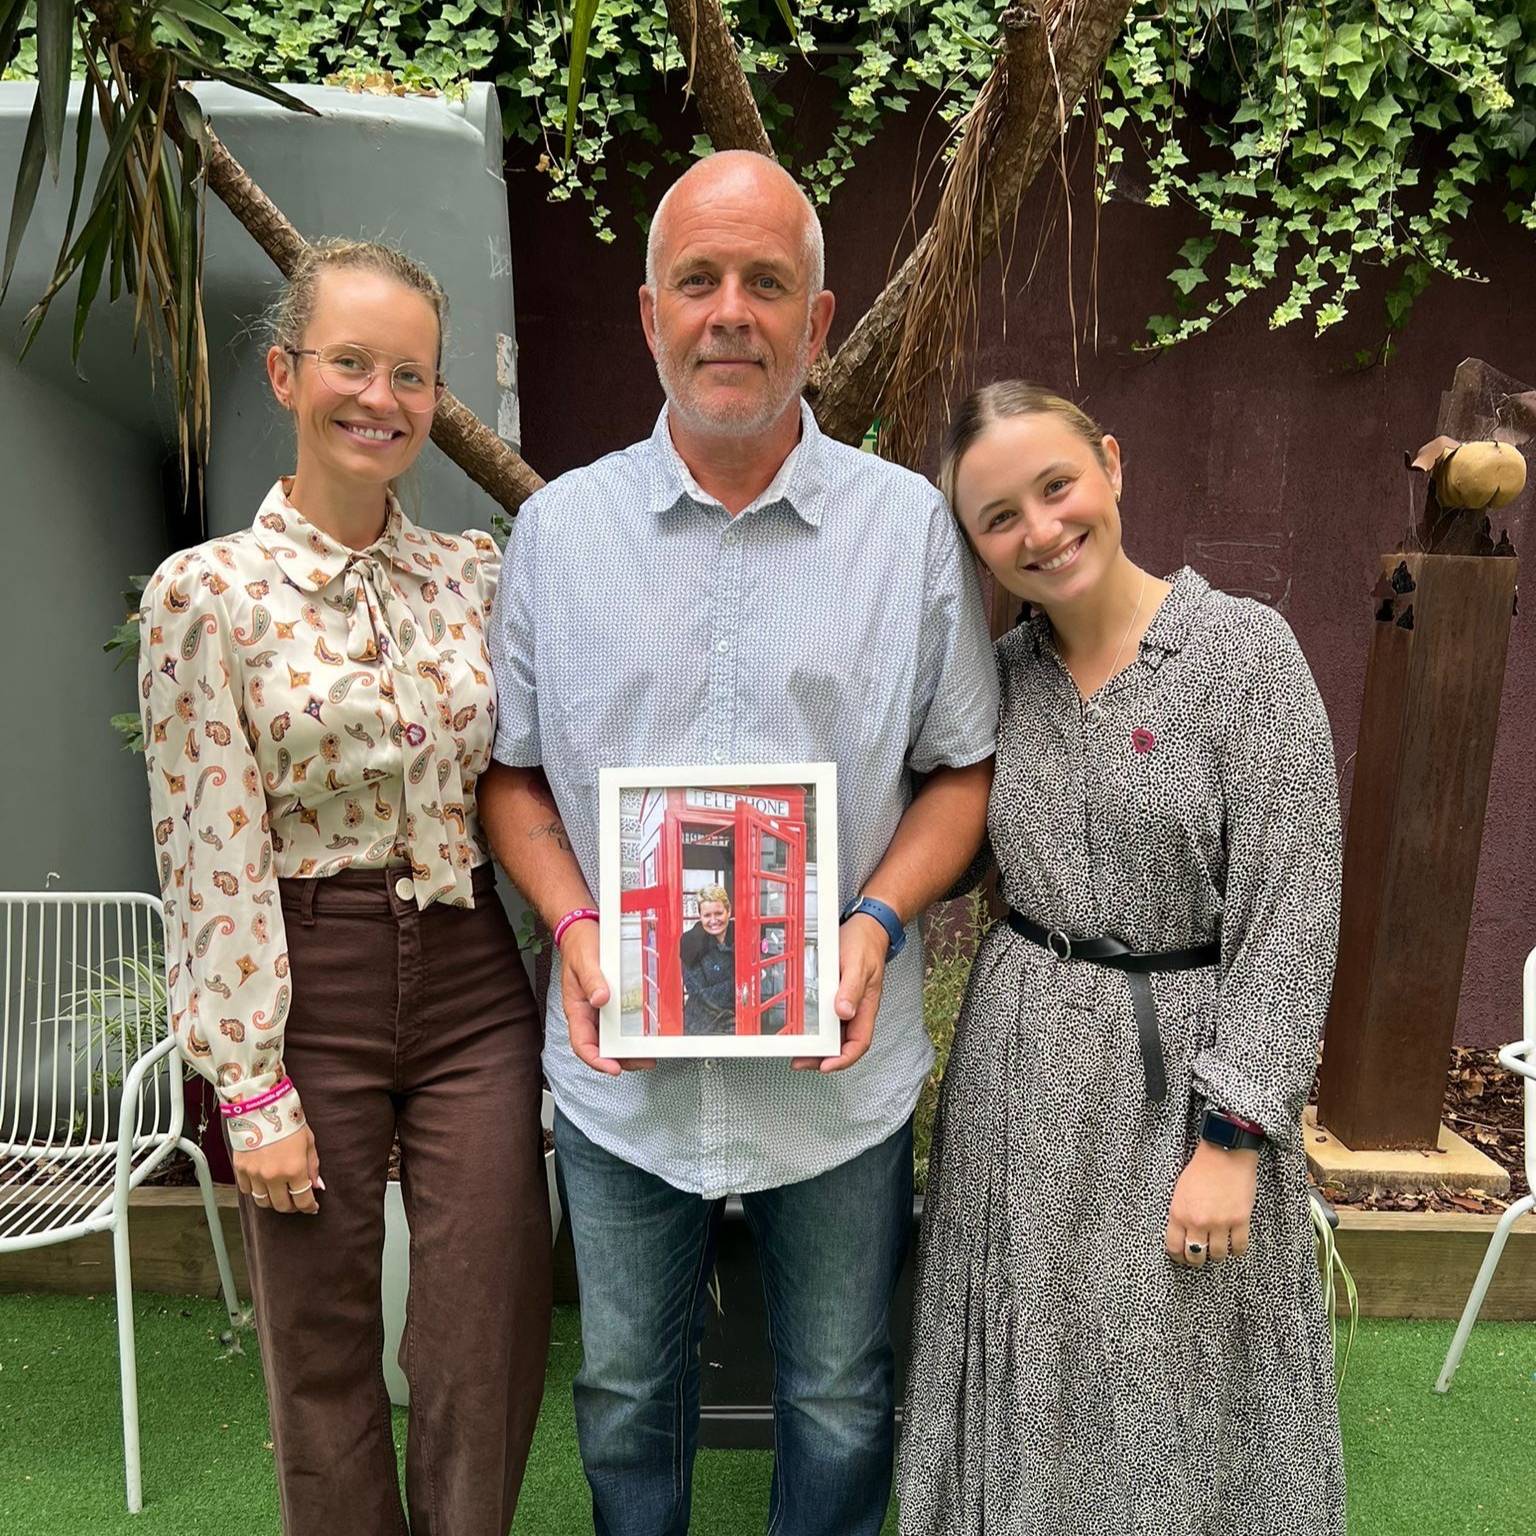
1311	140
1316	141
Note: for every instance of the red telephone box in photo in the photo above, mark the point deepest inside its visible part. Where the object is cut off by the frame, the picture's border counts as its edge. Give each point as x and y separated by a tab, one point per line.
753	842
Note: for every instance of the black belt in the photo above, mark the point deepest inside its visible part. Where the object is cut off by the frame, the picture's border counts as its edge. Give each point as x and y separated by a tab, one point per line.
1139	967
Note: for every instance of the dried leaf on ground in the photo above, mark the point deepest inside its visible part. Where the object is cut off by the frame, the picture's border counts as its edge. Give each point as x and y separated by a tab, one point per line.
1484	1105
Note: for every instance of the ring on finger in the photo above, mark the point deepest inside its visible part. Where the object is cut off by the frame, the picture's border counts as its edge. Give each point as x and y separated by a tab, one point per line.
263	1198
300	1189
1194	1250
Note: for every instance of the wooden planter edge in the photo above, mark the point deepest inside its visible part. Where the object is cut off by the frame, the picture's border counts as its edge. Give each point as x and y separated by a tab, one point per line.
1411	1264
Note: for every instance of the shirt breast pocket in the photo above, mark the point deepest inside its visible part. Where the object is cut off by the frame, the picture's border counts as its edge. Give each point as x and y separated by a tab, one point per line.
833	709
623	711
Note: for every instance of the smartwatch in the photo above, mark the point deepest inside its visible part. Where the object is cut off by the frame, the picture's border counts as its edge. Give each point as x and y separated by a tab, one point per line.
886	916
1228	1131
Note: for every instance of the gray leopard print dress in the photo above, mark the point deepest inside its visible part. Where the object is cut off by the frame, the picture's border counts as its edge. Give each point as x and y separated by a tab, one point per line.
1068	1379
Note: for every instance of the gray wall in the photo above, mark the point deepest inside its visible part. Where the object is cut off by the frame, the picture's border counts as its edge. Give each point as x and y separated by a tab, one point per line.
422	173
81	511
81	500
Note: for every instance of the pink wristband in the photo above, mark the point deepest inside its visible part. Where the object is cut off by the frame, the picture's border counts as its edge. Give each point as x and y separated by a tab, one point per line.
260	1101
575	915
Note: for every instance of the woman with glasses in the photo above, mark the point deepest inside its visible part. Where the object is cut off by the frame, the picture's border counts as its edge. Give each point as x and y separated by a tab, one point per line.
318	705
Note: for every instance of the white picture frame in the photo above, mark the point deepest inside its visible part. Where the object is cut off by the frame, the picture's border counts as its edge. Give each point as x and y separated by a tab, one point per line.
673	840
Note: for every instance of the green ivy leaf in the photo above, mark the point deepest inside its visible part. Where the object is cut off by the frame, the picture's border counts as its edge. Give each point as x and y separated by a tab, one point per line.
1505	31
1384	112
1358	77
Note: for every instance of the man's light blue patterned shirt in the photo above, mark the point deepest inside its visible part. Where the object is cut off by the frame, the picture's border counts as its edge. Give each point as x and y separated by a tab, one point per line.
836	619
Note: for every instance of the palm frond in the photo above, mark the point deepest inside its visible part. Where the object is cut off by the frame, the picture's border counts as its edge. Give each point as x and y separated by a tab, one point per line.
29	176
55	29
582	17
142	232
203	15
11	12
85	117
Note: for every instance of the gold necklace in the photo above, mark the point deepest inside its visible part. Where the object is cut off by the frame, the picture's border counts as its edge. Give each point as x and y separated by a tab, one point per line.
1115	662
1141	593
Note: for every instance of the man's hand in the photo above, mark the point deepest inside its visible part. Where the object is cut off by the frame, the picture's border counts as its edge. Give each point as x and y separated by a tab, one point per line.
1212	1205
282	1177
862	945
584	991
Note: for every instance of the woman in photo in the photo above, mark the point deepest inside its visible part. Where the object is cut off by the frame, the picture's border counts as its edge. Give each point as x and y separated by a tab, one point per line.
708	952
1120	1325
318	705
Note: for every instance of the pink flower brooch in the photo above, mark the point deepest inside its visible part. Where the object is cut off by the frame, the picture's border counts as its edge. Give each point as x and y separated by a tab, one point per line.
1142	740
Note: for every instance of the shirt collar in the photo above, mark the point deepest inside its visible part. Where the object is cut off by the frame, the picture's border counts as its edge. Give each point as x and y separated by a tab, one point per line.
1170	624
311	559
800	483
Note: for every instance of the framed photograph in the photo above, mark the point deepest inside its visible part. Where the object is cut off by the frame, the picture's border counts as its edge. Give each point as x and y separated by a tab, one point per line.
719	910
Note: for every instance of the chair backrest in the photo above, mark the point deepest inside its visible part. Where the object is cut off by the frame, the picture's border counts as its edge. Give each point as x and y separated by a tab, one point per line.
1530	998
82	997
1528	1069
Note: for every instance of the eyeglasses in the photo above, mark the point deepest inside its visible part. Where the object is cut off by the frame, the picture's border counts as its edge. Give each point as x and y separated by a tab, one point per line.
349	370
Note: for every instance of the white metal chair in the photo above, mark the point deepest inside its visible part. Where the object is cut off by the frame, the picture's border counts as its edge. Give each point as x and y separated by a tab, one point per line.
1521	1058
90	1089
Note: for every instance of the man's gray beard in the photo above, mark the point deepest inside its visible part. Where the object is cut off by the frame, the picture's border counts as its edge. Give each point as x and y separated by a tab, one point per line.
727	424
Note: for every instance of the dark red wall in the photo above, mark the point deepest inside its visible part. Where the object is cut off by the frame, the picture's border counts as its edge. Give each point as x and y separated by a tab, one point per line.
1266	459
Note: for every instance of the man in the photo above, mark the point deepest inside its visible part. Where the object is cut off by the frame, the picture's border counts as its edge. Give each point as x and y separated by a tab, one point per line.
738	588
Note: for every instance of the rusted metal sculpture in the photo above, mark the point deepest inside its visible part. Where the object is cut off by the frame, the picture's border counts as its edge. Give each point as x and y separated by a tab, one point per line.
1443	609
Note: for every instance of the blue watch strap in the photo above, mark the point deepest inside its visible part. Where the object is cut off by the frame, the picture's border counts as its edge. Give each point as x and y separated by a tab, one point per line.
885	915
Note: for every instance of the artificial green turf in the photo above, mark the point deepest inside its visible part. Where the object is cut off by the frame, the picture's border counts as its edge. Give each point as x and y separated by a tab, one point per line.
1419	1465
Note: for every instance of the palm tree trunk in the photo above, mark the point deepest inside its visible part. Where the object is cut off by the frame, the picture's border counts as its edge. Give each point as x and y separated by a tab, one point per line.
715	76
1050	57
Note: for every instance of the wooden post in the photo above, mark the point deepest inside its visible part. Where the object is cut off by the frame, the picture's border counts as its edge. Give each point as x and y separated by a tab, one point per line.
1431	712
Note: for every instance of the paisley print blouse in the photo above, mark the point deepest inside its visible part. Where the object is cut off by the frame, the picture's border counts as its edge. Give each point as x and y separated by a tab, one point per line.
307	707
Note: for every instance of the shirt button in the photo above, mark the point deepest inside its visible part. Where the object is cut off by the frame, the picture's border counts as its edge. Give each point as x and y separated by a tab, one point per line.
405	888
722	646
717	756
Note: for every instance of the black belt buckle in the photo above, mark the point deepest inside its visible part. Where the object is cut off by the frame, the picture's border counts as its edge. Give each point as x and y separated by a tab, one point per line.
1065	951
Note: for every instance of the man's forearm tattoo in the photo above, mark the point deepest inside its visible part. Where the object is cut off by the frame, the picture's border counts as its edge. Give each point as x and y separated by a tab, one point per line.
554	830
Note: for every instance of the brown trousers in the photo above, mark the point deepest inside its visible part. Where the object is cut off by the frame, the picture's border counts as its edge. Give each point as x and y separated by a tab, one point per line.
419	1023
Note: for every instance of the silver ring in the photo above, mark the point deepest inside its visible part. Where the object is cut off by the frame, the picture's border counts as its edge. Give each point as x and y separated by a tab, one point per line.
300	1189
1065	952
255	1196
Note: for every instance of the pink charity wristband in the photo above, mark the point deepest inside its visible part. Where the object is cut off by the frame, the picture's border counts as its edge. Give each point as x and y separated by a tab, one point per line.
575	915
260	1101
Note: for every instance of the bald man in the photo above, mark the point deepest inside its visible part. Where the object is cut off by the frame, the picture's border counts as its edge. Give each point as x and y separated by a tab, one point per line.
738	588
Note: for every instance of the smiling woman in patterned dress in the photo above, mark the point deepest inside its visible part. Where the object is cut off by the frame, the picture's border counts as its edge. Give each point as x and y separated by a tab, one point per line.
1120	1328
318	705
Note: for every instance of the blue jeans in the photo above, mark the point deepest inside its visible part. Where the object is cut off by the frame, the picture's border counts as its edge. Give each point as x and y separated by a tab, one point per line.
830	1249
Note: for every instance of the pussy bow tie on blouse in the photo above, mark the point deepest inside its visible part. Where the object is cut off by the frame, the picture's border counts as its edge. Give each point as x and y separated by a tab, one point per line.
382	628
